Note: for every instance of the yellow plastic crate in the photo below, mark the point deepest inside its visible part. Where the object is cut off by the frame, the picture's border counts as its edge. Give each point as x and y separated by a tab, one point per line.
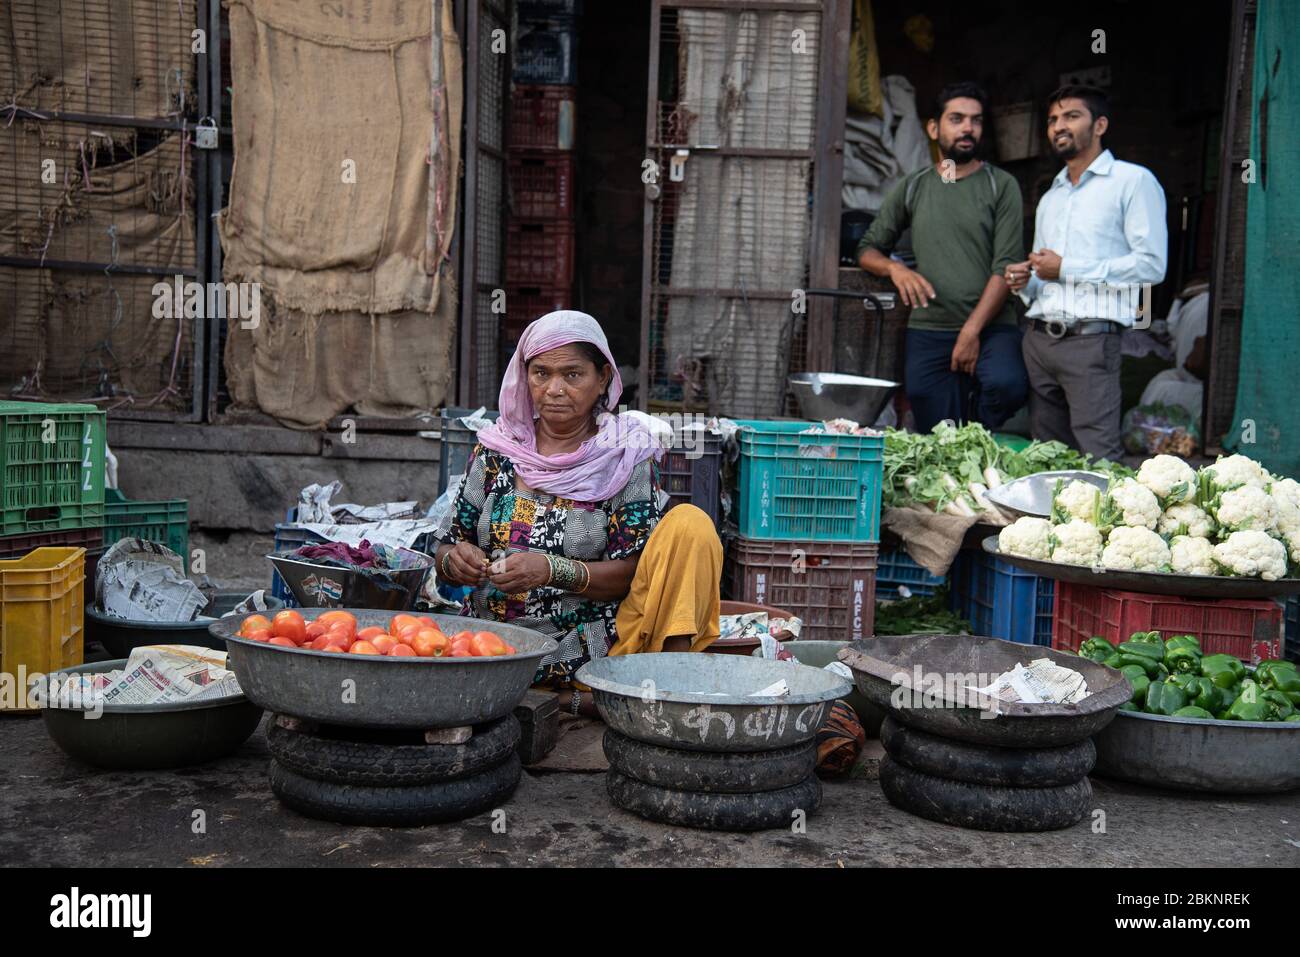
42	622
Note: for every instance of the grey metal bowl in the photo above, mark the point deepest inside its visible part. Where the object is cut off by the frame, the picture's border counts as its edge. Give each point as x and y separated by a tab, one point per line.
1032	495
380	692
1192	754
702	702
819	654
318	585
882	664
832	395
140	737
121	636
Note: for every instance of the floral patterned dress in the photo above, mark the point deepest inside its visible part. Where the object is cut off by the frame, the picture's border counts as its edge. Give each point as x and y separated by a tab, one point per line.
499	518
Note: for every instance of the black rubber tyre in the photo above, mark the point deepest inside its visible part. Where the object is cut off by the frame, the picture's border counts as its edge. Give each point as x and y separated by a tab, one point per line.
397	806
981	807
709	771
979	764
715	812
358	756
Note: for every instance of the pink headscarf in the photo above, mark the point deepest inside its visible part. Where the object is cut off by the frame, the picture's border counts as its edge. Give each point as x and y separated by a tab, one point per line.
598	468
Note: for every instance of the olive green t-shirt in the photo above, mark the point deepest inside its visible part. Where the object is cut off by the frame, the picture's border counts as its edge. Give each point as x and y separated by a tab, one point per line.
963	232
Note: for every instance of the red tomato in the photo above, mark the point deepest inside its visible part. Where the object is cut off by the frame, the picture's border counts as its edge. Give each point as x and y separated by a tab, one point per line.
370	634
254	623
510	649
336	647
385	644
484	644
363	648
341	633
430	644
283	642
315	629
399	623
289	624
260	634
460	648
330	618
401	651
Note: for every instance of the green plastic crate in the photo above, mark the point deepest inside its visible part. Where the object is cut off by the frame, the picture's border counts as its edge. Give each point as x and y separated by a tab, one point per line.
797	486
166	522
51	467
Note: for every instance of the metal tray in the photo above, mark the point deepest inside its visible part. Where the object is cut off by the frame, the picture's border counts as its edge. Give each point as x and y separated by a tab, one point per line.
121	636
1193	754
699	702
319	585
141	737
818	654
1032	495
881	665
379	692
1153	583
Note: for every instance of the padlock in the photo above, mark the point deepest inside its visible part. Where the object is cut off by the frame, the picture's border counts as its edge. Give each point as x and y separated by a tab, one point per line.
677	165
206	134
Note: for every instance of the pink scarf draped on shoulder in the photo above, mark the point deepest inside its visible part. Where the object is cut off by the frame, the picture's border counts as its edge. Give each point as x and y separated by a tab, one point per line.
602	465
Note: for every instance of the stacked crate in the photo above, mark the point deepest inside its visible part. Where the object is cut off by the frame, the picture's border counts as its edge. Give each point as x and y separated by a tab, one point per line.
808	523
541	228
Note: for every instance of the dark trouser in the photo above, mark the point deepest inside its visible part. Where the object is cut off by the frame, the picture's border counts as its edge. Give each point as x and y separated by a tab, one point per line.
1075	395
998	388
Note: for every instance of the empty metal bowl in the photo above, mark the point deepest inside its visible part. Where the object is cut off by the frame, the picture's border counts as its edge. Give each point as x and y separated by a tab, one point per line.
832	395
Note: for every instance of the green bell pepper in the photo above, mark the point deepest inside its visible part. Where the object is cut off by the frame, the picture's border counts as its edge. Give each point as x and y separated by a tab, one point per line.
1112	661
1139	646
1279	705
1130	706
1183	654
1139	680
1096	649
1150	666
1294	718
1165	698
1201	692
1250	704
1273	664
1284	682
1224	670
1191	711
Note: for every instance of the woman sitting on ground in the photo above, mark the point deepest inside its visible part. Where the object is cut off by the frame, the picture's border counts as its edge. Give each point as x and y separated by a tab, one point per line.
559	525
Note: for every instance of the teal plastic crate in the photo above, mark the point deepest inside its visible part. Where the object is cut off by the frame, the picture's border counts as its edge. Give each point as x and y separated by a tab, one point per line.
51	467
1000	600
167	522
797	486
897	569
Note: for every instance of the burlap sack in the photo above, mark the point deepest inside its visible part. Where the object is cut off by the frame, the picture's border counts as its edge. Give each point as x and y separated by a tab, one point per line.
116	57
305	368
326	93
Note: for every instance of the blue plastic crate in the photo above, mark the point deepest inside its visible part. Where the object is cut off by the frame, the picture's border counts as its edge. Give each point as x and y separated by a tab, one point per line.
1291	629
897	568
799	487
1001	601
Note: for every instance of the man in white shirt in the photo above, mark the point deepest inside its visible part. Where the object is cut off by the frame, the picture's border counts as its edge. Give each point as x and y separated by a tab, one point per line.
1101	242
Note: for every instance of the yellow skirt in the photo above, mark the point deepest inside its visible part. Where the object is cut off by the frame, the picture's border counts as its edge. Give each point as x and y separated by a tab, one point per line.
675	589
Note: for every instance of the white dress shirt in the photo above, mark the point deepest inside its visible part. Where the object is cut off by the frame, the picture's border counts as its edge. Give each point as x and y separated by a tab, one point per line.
1111	235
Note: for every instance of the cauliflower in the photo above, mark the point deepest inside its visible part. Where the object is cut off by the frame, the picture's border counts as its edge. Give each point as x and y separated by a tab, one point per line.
1170	478
1186	519
1236	471
1136	549
1286	500
1027	537
1077	500
1192	556
1076	542
1129	503
1246	508
1251	553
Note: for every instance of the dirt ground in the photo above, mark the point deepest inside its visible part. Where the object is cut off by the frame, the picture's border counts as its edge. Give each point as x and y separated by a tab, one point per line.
56	812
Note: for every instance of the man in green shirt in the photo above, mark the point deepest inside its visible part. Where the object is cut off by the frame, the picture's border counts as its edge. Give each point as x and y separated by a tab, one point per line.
963	343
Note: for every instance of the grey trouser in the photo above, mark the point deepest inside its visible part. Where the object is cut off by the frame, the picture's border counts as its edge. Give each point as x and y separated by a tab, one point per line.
1074	390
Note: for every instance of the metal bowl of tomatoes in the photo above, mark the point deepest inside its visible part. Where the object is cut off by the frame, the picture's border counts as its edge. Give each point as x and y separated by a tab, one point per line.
435	685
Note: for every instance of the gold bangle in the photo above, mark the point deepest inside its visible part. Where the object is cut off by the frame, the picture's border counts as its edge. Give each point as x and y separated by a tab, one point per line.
586	578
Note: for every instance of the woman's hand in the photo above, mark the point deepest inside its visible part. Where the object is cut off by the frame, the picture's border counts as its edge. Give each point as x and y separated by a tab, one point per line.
467	564
520	572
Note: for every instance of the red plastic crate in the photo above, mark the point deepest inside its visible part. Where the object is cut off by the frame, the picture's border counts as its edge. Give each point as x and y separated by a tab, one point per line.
540	254
542	117
524	304
541	185
1249	630
831	586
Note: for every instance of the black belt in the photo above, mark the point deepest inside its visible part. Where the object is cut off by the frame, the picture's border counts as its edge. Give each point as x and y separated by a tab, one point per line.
1084	327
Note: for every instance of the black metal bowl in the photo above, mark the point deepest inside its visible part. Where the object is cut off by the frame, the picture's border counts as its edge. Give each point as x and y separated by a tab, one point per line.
120	636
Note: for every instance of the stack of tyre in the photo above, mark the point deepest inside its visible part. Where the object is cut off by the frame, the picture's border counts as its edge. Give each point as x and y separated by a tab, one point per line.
715	790
982	786
391	778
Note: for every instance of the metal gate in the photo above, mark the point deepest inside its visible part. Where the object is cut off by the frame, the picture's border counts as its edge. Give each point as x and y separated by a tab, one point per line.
743	137
487	81
103	195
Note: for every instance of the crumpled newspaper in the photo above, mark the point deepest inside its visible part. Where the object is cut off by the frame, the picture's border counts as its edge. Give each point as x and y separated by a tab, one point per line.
1042	682
154	674
395	524
145	581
